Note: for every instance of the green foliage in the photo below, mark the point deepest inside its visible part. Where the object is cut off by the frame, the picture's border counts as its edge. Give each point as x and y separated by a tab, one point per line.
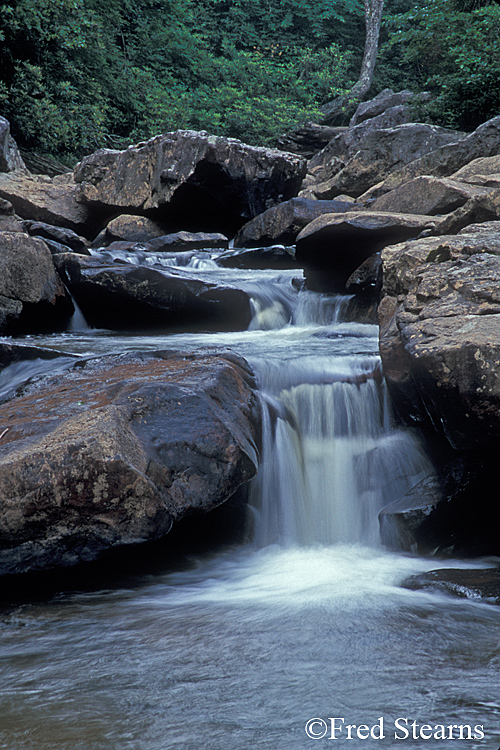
452	49
79	74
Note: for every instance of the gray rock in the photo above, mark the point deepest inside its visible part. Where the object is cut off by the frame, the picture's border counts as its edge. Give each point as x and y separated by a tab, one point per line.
428	195
45	199
10	158
401	522
281	224
32	297
480	585
194	180
445	160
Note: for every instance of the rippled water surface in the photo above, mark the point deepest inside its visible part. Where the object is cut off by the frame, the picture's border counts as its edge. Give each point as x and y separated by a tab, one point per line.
240	649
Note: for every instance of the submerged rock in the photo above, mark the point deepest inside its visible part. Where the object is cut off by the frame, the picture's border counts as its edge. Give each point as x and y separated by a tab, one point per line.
476	584
113	452
125	297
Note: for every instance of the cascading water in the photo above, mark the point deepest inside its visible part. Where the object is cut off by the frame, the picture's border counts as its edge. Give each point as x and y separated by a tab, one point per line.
331	455
243	648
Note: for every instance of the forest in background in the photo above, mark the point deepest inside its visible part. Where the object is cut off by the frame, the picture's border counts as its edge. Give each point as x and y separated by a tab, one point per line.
76	75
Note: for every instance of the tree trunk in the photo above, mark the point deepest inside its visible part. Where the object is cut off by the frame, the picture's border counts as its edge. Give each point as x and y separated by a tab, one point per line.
342	105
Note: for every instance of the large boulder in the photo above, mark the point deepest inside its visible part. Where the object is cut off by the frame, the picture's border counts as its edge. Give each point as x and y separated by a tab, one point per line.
440	349
32	296
51	200
129	297
428	195
444	160
10	158
362	156
281	224
385	100
190	180
332	246
114	451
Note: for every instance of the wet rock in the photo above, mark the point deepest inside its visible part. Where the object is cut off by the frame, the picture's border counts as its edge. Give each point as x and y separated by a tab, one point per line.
125	297
428	195
401	523
278	257
113	452
45	199
32	297
179	241
476	584
281	224
332	246
365	283
190	180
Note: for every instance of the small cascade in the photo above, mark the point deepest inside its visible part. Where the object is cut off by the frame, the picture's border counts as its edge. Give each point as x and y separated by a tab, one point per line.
78	322
332	457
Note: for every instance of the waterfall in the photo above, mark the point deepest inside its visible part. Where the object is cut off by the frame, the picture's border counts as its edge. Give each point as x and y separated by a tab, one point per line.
332	456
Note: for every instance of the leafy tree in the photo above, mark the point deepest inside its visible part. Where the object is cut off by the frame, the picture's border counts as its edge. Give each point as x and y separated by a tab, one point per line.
452	49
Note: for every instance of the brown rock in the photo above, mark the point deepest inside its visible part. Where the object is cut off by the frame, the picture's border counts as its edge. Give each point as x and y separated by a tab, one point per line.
113	452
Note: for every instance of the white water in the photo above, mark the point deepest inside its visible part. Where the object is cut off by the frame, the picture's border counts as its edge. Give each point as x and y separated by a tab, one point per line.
238	650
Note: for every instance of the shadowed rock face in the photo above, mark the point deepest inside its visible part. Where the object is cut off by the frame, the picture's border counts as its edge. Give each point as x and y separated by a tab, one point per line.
115	450
333	246
190	180
125	297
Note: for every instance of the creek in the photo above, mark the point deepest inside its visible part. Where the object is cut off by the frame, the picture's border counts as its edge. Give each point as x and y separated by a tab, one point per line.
306	619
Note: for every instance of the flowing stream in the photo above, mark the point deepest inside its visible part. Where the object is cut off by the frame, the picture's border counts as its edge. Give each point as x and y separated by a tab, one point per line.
240	649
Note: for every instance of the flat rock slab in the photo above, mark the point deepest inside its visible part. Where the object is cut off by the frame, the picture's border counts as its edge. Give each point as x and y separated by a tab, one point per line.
334	245
51	200
478	585
112	452
138	298
428	195
193	180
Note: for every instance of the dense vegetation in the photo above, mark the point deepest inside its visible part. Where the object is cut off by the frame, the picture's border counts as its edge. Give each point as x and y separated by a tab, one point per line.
79	74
